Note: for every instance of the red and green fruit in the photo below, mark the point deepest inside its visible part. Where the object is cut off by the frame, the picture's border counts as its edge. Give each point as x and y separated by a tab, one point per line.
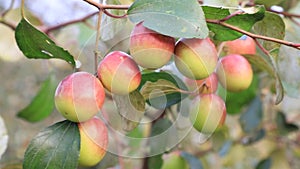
119	73
79	96
204	86
243	45
93	142
196	58
234	73
150	49
174	160
207	113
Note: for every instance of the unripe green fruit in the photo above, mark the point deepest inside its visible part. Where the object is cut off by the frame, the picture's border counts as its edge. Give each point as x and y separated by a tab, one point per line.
79	96
243	45
150	49
173	160
234	73
119	73
196	58
93	142
207	113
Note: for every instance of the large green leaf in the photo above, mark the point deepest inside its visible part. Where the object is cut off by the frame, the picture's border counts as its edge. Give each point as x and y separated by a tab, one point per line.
36	45
243	21
176	18
42	104
55	147
164	89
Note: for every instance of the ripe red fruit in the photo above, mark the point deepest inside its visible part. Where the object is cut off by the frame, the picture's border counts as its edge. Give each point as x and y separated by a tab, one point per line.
150	49
79	96
207	113
234	73
93	141
196	58
119	73
243	45
204	86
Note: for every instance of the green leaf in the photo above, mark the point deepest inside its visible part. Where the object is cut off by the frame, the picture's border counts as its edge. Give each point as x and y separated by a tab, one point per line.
277	30
221	3
251	119
243	21
57	146
193	161
268	3
155	162
42	104
264	164
175	18
162	89
35	44
283	126
131	107
236	101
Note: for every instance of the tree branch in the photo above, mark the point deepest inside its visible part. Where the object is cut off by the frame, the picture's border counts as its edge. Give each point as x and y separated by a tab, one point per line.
287	43
103	7
48	30
10	25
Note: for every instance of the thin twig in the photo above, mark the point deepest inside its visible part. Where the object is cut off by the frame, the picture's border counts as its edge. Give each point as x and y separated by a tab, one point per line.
224	24
286	14
103	7
48	30
9	8
112	15
97	53
10	25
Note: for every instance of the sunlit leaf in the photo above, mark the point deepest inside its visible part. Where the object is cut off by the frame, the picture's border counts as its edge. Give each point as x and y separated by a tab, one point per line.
162	89
221	3
36	45
57	146
42	104
176	18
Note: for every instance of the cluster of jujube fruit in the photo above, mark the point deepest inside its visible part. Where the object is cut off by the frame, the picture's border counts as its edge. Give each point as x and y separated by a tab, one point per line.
80	96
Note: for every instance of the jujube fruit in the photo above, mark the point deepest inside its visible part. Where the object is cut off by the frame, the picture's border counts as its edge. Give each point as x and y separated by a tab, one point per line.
243	45
150	49
196	58
79	96
119	73
234	73
207	113
93	142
